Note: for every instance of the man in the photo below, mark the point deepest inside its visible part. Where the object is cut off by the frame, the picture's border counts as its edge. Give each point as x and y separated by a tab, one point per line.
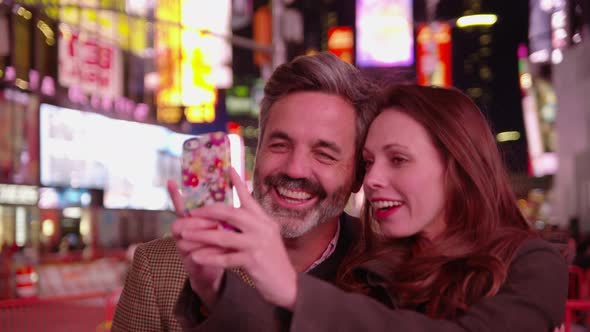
313	119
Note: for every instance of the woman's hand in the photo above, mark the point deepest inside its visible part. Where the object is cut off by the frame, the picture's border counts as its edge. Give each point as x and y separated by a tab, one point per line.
255	246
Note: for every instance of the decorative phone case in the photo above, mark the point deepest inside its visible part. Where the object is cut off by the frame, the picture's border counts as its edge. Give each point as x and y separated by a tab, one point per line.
205	170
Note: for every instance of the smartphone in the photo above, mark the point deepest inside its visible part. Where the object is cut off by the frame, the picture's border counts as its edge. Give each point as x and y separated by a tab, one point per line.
205	170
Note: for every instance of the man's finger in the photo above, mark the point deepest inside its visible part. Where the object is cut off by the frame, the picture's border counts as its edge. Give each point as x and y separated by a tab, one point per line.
191	224
176	197
187	247
246	199
224	260
238	218
205	251
244	195
218	238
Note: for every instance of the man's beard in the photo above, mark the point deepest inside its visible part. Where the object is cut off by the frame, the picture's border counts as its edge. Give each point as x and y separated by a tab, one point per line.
296	222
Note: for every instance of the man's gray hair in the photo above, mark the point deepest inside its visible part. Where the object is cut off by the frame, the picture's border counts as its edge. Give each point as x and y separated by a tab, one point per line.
322	72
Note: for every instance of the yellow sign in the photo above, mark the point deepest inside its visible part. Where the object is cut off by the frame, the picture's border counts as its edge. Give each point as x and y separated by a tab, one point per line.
191	62
204	113
169	114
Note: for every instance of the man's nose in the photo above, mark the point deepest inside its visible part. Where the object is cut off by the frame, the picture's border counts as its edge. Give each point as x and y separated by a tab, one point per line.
298	165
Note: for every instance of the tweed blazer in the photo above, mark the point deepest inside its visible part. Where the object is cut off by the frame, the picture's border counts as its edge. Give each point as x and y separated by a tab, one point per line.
151	289
157	279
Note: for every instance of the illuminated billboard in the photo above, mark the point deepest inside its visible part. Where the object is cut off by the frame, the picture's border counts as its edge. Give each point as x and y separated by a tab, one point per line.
341	42
131	161
384	33
193	57
540	30
89	63
433	55
539	105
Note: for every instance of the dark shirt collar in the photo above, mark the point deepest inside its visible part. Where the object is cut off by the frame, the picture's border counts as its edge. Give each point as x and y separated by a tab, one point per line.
349	226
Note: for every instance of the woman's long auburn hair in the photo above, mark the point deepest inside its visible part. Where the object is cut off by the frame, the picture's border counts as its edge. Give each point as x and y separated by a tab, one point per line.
470	259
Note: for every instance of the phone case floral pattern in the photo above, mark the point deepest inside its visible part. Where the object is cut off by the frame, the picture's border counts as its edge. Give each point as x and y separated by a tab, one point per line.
205	165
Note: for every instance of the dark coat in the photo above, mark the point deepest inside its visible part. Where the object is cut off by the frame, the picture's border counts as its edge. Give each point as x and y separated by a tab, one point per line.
531	299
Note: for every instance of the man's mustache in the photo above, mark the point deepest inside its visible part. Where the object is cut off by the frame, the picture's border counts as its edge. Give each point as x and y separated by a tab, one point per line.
304	184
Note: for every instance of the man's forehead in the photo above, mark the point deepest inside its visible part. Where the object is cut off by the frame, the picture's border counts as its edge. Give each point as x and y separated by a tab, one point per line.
335	143
312	118
293	135
322	108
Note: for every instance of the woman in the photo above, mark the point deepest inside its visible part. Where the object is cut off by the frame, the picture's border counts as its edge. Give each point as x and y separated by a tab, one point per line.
443	236
437	191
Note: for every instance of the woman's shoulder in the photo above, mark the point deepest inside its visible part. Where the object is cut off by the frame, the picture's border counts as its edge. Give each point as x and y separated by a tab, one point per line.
538	275
538	245
537	253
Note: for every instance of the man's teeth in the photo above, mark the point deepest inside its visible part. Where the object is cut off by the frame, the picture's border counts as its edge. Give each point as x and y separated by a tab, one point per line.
296	195
385	204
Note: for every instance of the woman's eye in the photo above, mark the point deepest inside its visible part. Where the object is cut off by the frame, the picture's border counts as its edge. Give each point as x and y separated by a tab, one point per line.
398	160
367	163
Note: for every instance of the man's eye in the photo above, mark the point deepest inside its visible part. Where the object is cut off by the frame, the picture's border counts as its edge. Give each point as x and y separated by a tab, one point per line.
278	145
398	160
326	156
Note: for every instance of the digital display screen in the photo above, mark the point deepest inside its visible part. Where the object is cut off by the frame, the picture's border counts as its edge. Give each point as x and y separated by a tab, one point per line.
540	30
384	33
539	106
130	161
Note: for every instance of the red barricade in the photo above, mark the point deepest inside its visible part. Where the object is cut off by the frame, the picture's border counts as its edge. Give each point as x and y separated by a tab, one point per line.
87	312
571	307
577	283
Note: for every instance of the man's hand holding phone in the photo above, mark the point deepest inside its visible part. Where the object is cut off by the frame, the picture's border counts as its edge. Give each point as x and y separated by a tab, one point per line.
257	247
253	242
204	280
205	180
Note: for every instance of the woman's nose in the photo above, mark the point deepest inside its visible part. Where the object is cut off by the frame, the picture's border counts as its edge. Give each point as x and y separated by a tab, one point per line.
374	177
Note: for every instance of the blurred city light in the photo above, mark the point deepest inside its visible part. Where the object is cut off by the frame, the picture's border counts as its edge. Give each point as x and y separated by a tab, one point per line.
236	146
20	237
72	212
48	227
506	136
384	33
556	56
526	81
476	20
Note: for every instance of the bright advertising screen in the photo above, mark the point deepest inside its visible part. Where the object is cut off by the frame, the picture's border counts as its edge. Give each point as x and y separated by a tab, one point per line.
131	161
384	33
539	105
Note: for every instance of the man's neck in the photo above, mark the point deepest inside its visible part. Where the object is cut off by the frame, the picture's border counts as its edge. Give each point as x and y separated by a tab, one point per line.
306	249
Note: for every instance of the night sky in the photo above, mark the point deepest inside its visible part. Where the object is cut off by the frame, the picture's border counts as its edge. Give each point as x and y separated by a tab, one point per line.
511	30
